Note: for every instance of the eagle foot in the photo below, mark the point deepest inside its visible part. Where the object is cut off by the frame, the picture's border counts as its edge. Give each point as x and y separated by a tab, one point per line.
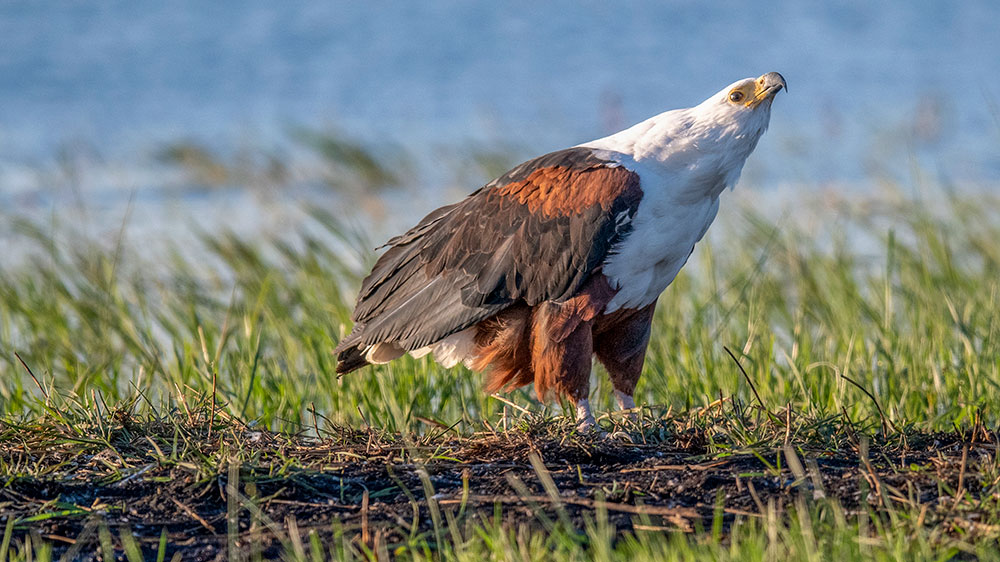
588	426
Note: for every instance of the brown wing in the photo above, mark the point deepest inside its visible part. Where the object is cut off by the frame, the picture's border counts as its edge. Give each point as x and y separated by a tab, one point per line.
535	234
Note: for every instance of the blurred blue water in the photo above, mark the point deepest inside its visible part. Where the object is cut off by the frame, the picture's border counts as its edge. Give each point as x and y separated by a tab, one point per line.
870	82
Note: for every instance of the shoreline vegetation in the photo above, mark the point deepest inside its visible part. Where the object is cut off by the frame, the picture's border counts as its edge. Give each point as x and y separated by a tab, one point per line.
823	382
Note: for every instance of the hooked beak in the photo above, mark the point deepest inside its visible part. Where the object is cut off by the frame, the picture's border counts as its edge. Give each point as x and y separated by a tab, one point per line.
766	87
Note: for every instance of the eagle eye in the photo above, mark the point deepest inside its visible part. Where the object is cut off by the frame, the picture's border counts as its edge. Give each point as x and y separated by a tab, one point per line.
736	96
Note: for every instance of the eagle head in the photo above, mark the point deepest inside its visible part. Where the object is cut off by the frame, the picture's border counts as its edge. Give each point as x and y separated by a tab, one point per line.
750	93
742	108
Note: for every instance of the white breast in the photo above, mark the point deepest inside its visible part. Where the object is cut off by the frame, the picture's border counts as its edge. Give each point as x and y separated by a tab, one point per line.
674	214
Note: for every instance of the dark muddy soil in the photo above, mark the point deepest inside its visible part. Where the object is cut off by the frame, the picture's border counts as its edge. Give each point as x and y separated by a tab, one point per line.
375	488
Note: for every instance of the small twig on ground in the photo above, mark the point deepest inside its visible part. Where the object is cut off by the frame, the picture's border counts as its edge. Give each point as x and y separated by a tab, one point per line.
312	410
511	404
960	490
659	467
194	515
365	532
677	515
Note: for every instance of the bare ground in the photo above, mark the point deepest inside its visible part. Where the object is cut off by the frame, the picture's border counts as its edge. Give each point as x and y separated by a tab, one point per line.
260	492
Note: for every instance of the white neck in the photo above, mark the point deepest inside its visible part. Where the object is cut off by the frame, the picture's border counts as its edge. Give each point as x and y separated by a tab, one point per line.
702	143
643	139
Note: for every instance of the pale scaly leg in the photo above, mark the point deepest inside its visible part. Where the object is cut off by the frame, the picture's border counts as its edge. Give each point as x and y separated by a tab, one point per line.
625	401
585	417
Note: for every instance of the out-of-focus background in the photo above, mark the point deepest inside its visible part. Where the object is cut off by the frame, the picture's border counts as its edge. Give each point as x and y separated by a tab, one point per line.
190	195
158	118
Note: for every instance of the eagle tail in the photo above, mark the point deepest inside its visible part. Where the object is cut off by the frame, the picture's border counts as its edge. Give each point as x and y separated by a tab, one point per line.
349	360
350	352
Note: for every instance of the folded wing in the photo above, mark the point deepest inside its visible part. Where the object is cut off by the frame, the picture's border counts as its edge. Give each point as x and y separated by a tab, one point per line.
535	234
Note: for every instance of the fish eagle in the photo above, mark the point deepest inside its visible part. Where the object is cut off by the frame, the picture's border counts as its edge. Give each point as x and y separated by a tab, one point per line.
563	257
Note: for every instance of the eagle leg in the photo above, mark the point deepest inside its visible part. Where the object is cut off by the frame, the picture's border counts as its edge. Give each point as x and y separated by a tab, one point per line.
625	401
620	342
